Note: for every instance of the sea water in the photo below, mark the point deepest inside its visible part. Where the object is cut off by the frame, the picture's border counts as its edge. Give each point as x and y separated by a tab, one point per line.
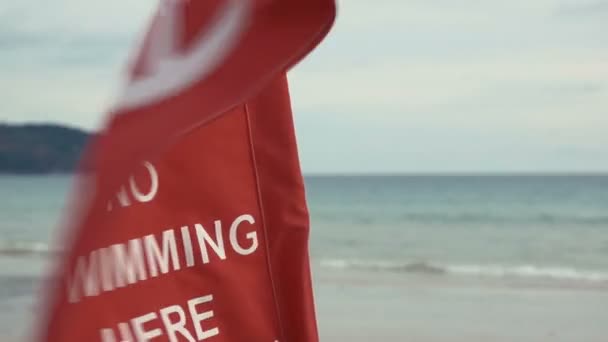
493	226
373	236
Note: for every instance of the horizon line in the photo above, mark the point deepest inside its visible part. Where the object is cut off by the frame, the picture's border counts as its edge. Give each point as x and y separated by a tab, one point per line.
454	173
386	174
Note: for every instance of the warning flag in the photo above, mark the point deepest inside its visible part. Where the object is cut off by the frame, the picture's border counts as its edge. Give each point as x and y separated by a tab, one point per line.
190	222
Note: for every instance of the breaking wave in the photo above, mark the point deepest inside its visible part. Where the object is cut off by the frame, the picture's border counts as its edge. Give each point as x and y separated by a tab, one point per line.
487	271
25	248
459	218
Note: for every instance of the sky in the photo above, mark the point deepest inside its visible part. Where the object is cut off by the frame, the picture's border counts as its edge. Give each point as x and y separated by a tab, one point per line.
398	86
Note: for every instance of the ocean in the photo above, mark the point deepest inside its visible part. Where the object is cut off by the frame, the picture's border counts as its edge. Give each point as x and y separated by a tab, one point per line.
403	258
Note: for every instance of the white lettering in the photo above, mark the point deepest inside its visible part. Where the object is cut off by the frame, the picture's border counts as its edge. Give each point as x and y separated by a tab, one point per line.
204	239
251	236
187	246
198	317
106	265
138	326
173	318
174	327
107	335
119	265
160	259
128	263
125	332
122	196
139	196
84	275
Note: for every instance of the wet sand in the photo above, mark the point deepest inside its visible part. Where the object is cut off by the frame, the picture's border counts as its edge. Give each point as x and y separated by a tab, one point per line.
377	307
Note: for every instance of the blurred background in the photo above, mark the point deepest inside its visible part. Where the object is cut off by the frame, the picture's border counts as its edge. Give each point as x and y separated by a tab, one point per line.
454	153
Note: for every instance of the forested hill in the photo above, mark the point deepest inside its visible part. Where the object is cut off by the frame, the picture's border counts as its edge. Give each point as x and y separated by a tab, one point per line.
40	148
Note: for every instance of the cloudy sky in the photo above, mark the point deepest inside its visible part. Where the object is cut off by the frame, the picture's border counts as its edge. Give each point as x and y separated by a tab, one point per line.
398	86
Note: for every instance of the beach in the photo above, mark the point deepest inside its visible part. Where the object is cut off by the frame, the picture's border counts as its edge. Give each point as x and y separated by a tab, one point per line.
364	307
407	258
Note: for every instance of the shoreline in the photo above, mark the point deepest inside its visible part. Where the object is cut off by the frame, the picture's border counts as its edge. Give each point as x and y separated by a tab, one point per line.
426	309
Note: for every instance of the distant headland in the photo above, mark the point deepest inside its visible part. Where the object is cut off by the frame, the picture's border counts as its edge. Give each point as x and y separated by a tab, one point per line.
40	148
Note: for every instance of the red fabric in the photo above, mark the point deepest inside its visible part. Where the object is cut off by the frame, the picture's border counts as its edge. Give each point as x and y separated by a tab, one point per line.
284	209
217	157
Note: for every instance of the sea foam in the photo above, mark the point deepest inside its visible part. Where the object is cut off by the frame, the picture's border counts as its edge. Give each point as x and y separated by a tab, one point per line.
488	271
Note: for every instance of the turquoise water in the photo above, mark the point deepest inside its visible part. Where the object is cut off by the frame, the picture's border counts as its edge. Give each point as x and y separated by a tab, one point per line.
553	229
520	225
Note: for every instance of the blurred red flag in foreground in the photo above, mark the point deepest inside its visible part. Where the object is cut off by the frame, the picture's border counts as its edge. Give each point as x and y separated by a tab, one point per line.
193	225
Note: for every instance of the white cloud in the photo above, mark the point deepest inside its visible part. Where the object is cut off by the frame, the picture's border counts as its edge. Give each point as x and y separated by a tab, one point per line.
400	85
480	85
77	17
62	60
76	96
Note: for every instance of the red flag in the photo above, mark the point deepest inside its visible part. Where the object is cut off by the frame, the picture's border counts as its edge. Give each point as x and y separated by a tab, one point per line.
194	225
